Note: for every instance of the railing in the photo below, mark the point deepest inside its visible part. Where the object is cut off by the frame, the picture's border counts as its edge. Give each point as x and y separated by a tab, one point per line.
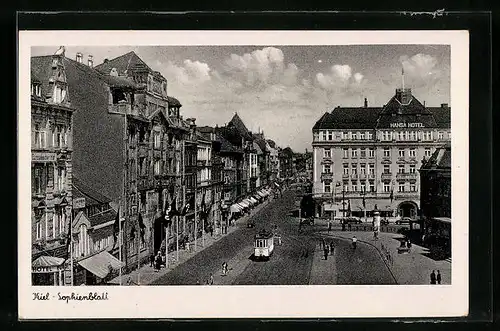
406	176
326	175
122	108
354	176
345	176
386	176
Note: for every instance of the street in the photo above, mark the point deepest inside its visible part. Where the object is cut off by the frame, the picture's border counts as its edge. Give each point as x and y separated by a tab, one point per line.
291	262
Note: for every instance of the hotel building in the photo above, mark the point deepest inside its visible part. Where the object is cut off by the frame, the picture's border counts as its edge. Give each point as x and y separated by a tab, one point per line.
367	158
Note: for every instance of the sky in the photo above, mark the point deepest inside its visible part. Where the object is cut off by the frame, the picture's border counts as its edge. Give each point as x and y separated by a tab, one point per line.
284	90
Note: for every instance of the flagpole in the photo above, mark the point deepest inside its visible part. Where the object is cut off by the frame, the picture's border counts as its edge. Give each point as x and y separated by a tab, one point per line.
120	239
139	254
71	245
196	216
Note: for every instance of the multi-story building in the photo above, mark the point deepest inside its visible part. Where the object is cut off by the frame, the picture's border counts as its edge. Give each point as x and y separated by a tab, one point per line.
435	198
373	153
263	159
92	236
51	167
287	163
273	160
232	159
132	132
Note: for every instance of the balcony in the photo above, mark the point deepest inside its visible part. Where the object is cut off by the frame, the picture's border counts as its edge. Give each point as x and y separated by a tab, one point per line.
370	176
362	176
406	177
387	176
406	195
326	175
345	176
120	108
354	176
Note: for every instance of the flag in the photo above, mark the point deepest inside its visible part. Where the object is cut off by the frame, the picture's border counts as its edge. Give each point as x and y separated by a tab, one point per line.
392	194
142	227
173	209
203	206
116	227
188	206
349	205
132	233
364	193
166	214
68	240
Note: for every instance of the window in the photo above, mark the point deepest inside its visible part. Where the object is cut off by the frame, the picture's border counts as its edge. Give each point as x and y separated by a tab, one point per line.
401	187
346	153
330	135
346	168
157	167
362	152
362	135
323	135
401	152
387	169
427	152
60	178
372	186
387	152
354	186
401	169
363	168
327	168
440	136
327	185
369	135
142	166
413	187
371	168
346	186
83	241
327	153
413	152
385	135
345	135
363	186
38	229
156	139
354	153
354	167
387	187
412	169
371	152
401	135
39	177
412	135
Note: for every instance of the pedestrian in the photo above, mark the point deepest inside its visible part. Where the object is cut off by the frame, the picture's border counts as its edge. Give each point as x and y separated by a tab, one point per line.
325	251
408	244
158	262
433	277
343	225
438	277
211	281
332	247
354	242
198	282
329	227
375	234
349	226
211	231
152	260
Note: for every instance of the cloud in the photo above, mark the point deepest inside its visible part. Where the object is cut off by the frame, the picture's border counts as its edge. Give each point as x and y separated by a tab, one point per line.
421	69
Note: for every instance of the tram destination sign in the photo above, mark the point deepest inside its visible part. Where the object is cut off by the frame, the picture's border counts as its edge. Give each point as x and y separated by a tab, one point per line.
407	125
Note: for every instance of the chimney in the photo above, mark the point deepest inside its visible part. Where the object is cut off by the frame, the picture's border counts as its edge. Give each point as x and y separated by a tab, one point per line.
106	60
444	105
79	57
366	103
90	61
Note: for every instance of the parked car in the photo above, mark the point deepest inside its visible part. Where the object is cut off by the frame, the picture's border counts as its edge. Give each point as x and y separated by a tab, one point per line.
348	220
404	220
307	221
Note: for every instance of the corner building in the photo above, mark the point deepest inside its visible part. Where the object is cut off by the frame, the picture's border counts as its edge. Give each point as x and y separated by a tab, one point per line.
375	152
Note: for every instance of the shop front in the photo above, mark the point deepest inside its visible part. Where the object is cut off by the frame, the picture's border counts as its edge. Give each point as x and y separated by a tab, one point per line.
48	271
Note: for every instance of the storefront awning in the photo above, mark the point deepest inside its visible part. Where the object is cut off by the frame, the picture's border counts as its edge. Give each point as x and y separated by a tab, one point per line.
235	208
357	204
244	203
47	263
101	264
253	200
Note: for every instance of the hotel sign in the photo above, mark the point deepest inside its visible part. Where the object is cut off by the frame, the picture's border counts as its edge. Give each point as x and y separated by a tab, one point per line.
407	125
43	157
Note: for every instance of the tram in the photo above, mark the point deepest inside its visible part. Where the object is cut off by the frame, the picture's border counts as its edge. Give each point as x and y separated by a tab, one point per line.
263	245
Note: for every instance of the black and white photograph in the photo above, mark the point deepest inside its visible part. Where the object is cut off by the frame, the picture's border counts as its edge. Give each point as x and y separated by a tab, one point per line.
250	166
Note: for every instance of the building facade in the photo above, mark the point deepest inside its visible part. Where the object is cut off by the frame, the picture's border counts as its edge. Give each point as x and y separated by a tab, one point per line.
372	154
51	167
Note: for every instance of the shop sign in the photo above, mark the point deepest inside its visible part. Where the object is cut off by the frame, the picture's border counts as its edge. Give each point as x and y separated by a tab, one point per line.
79	203
67	277
407	125
43	157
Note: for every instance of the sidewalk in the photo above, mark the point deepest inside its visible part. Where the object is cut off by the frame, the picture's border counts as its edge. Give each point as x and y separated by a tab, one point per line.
413	268
146	274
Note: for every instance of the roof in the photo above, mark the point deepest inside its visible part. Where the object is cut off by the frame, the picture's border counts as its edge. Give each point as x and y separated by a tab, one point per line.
271	143
102	218
226	146
101	264
238	124
41	68
34	77
440	159
173	102
123	63
92	197
403	107
47	261
287	150
114	81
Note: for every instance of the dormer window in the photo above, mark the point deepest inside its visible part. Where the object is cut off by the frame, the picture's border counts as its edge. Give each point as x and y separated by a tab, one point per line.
59	94
36	90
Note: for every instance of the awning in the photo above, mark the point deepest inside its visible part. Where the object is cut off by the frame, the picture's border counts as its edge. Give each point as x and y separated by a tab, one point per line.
235	208
244	203
442	219
253	200
262	194
101	264
47	262
357	204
